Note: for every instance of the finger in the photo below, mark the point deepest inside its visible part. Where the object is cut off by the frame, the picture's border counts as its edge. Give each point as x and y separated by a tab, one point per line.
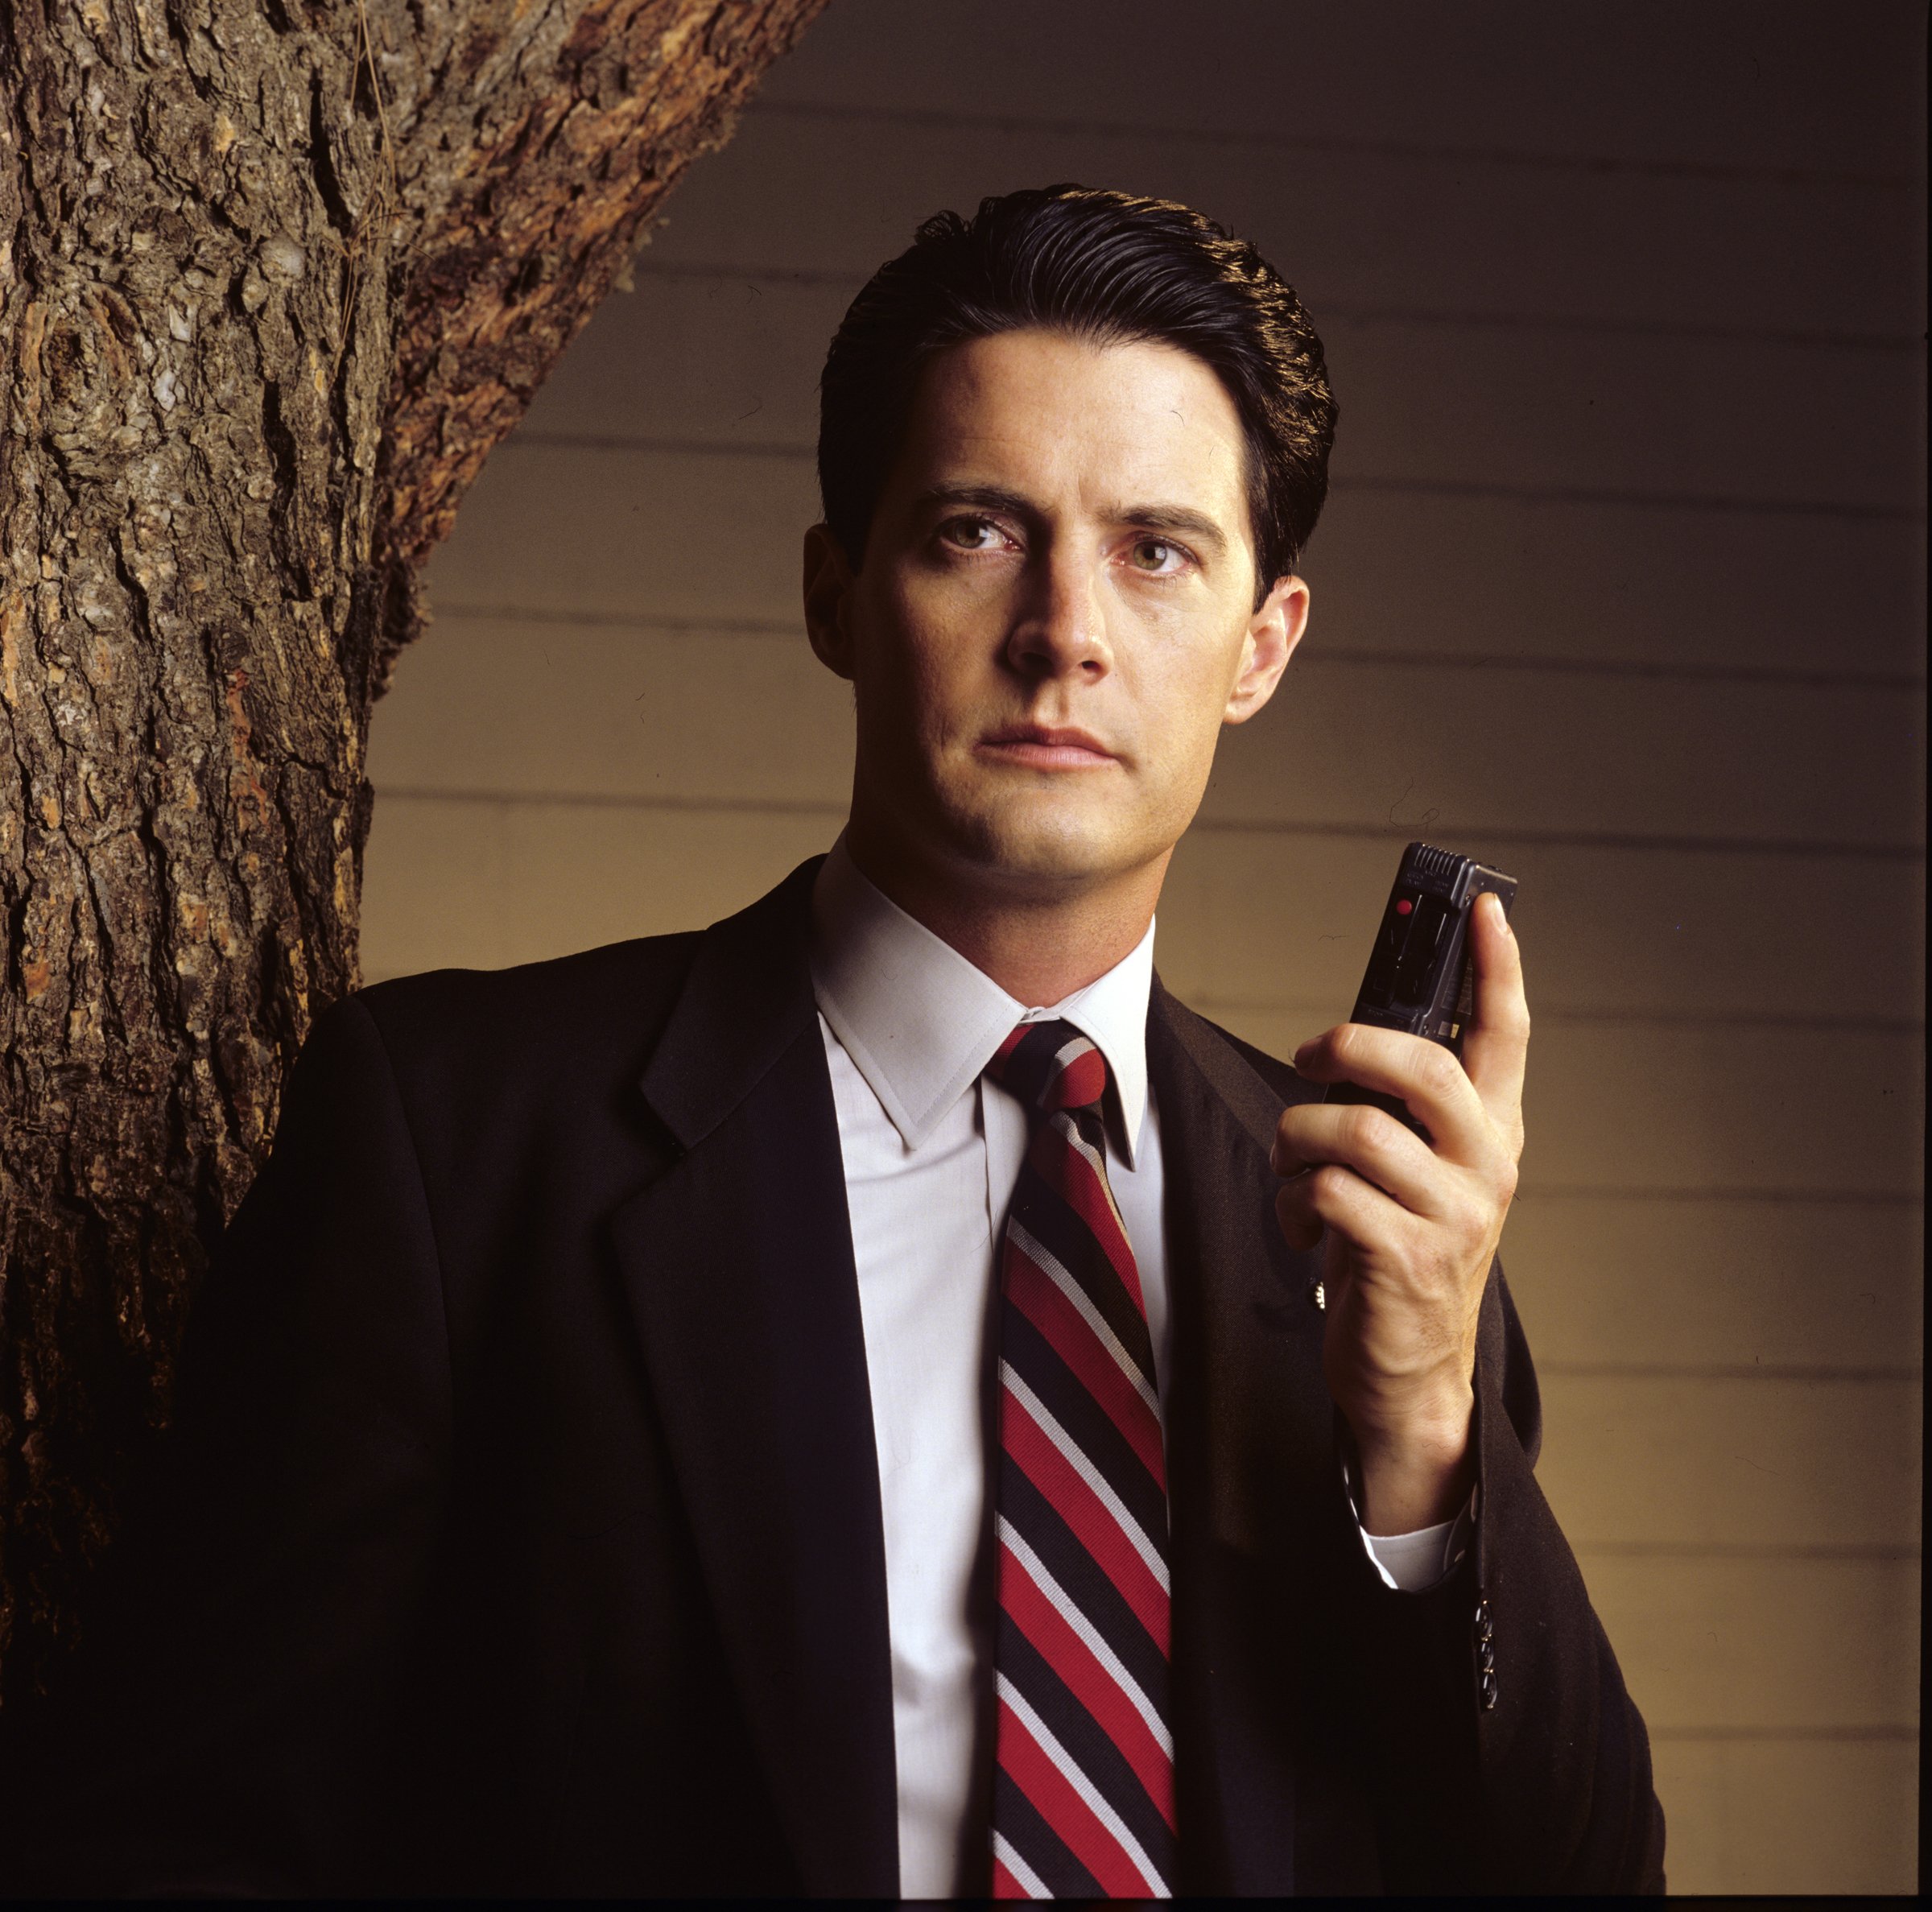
1496	1046
1301	1227
1337	1198
1422	1074
1372	1143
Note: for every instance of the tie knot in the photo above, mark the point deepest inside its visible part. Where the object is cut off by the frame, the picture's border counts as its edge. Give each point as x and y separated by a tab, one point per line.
1049	1066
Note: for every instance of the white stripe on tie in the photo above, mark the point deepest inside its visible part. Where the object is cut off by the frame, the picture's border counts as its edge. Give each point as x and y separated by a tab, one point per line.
1081	1784
1024	1875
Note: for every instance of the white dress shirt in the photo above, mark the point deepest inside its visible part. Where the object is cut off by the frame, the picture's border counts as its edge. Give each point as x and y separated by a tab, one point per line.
932	1150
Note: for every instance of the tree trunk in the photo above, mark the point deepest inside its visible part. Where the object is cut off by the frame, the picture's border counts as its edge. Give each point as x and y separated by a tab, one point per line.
275	276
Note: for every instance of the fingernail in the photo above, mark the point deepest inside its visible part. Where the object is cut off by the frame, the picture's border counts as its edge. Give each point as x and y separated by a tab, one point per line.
1303	1053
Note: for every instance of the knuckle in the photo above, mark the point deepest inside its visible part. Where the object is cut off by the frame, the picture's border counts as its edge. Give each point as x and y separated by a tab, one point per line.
1439	1071
1475	1219
1362	1130
1327	1183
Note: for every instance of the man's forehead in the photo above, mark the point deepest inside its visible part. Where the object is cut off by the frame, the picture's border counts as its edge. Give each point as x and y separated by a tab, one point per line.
1124	422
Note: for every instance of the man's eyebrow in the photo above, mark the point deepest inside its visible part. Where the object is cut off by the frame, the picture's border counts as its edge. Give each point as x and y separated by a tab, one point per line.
988	497
1179	519
1182	521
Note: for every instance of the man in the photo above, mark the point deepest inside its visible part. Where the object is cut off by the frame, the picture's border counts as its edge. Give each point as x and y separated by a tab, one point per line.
843	1403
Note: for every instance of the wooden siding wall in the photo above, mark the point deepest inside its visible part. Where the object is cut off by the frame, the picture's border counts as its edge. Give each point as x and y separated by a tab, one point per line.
1619	585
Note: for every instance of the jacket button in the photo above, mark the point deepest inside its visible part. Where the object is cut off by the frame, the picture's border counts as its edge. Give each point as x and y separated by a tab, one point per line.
1488	1691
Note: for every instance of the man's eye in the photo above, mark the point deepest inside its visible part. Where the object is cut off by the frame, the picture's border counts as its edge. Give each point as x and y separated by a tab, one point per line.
971	533
1157	553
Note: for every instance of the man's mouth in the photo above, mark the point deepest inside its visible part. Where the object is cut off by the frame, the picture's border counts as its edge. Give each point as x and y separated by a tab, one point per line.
1046	747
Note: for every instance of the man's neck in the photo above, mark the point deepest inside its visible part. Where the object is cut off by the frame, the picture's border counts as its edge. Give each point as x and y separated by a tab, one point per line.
1038	947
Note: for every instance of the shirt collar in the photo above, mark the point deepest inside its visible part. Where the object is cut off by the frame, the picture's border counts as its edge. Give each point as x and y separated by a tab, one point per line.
920	1022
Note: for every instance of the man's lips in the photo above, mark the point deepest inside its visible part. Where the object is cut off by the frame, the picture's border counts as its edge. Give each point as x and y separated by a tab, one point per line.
1044	747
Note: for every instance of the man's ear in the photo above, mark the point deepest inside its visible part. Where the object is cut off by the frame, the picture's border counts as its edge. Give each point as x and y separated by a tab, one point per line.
828	600
1273	632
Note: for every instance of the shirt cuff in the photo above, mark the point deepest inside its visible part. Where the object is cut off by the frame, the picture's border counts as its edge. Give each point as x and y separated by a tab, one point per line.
1414	1563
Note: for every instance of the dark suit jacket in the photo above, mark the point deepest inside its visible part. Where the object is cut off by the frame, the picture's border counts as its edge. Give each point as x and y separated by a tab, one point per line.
520	1527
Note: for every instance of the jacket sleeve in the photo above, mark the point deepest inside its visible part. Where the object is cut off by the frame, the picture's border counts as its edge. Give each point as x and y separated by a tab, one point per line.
228	1726
1505	1755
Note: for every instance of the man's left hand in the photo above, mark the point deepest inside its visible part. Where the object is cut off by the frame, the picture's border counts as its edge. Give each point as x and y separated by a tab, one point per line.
1412	1228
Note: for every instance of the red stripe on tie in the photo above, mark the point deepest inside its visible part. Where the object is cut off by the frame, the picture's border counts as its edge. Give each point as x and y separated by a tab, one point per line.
1087	1680
1081	1083
1071	1176
1005	1884
1027	1765
1090	1520
1039	1297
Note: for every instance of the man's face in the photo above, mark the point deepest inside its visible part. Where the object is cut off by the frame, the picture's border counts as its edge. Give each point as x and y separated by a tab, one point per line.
1054	615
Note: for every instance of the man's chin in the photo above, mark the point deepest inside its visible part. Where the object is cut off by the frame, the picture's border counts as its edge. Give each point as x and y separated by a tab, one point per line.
1045	854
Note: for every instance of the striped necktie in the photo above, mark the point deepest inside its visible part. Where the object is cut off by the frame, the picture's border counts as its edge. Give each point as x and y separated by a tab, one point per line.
1083	1788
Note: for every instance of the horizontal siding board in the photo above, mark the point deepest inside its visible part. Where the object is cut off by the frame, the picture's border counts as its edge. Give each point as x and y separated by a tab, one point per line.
1730	418
1649	82
1374	747
1490	576
1785	1816
527	710
1693	1108
485	885
1763	1645
630	533
1355	229
1439	749
735	361
436	893
1286	921
1715	1463
1625	1283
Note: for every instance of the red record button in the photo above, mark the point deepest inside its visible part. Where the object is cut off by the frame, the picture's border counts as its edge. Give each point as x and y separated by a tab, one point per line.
1403	906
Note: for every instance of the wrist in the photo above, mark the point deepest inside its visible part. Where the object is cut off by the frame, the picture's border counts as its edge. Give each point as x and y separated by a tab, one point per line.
1417	1467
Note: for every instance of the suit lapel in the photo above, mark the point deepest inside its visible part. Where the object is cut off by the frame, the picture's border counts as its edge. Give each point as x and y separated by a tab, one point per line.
738	1267
1252	1465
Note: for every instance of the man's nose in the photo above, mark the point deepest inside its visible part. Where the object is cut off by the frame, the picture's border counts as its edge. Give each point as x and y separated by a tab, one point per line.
1061	628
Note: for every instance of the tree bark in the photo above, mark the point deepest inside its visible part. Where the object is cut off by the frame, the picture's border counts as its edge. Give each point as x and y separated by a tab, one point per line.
275	276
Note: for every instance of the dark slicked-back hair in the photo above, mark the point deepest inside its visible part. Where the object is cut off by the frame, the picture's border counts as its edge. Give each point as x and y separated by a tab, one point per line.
1103	266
